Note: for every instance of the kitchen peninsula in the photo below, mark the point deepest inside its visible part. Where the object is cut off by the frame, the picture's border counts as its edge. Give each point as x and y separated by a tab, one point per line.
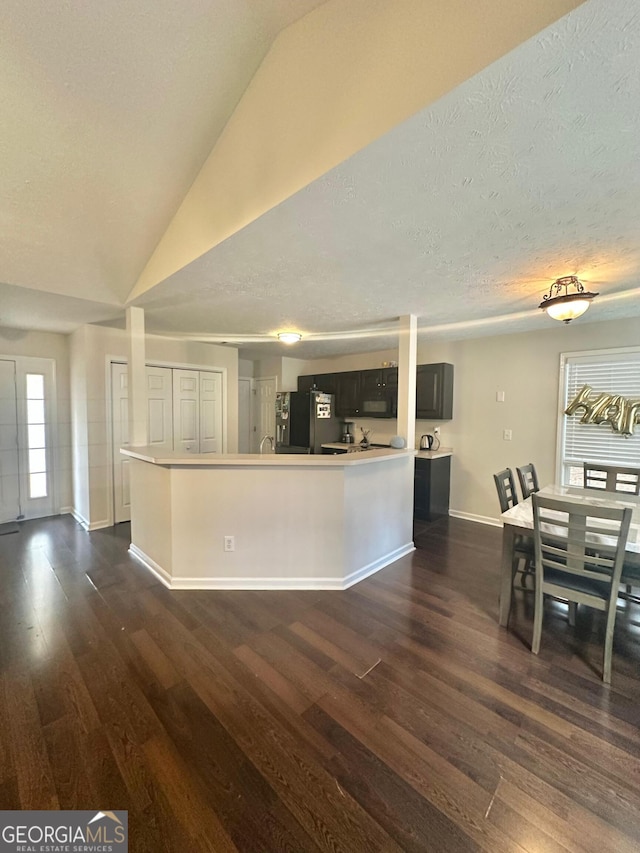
245	521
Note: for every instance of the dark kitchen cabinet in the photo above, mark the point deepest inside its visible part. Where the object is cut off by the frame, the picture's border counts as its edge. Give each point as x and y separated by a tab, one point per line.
371	384
431	488
306	383
434	392
390	380
327	382
374	393
348	393
379	393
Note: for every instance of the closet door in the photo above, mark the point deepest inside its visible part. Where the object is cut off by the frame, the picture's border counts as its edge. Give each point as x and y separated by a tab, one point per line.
159	424
210	412
186	411
9	471
160	407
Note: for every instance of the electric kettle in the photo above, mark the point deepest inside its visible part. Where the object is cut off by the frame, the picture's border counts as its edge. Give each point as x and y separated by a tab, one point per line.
426	442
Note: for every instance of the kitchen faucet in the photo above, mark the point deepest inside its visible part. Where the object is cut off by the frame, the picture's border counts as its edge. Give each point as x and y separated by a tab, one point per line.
270	439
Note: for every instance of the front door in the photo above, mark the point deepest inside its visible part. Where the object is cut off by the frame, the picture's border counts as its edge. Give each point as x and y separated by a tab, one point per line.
9	467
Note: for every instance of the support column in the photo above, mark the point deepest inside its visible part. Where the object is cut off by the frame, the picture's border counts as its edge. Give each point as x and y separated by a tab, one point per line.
407	362
137	378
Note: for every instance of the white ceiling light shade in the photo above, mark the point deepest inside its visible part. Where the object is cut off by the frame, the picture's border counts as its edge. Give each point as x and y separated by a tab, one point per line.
568	305
289	337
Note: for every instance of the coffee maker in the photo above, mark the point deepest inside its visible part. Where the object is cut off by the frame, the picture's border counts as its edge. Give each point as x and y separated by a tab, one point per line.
347	432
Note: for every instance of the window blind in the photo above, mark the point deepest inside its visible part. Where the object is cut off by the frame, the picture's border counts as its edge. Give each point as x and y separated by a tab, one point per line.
613	374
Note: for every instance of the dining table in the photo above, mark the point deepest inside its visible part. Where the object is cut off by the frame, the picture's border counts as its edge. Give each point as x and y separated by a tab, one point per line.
518	525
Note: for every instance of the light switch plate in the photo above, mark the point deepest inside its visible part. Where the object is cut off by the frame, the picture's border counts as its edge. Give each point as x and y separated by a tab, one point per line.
499	396
507	435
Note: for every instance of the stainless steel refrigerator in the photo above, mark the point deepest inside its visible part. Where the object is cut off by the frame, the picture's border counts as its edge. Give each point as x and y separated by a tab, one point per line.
305	420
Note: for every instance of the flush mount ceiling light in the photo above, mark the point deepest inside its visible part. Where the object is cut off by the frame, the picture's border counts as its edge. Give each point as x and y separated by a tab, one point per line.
289	337
568	305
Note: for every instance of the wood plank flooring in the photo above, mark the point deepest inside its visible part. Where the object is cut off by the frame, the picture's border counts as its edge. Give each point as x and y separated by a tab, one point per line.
395	716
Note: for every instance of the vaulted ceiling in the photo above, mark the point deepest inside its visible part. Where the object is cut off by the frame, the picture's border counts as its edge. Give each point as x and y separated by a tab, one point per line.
179	157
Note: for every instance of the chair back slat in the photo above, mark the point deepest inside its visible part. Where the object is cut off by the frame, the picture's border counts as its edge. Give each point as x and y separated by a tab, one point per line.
567	541
506	489
611	478
528	480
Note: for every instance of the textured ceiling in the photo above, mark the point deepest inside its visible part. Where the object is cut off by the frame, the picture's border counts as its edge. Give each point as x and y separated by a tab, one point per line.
461	215
464	213
110	109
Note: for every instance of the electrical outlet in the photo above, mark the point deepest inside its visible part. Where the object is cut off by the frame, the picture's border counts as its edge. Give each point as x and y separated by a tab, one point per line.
229	543
436	430
507	435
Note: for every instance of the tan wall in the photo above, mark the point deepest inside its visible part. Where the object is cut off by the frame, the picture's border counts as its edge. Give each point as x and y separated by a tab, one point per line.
524	366
93	348
15	342
78	355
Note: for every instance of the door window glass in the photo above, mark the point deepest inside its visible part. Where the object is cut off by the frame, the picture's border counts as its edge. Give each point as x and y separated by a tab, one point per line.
36	435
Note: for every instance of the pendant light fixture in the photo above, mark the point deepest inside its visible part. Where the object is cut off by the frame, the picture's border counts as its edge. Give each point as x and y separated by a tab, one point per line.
570	304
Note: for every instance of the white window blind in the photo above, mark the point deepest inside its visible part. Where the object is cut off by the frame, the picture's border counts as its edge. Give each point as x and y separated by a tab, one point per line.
612	373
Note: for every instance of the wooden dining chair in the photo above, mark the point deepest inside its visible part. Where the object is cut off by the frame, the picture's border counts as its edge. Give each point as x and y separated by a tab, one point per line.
506	487
528	480
568	566
523	545
612	478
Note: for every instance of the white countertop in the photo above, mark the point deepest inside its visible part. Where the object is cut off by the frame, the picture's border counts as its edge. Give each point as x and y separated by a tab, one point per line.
420	454
434	454
266	460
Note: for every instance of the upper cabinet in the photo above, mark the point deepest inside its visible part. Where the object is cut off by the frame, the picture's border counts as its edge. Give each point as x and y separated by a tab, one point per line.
374	393
379	393
348	394
434	392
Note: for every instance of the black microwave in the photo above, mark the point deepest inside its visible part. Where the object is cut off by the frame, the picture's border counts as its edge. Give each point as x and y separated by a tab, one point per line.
379	393
380	407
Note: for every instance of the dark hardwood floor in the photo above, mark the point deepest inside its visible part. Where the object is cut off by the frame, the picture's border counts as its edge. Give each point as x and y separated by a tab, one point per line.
395	716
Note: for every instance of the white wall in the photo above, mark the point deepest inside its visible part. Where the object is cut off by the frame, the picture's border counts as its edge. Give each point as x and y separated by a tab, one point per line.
78	350
16	342
245	368
526	367
92	349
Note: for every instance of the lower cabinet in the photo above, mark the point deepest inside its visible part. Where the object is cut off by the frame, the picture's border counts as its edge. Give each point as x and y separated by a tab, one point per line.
431	488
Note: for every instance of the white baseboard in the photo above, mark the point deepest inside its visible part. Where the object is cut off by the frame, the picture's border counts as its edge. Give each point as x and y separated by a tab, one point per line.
480	519
372	568
65	510
80	518
268	583
162	575
89	526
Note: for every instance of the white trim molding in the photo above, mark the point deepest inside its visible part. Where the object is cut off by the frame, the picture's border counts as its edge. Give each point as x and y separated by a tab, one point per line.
88	526
480	519
253	583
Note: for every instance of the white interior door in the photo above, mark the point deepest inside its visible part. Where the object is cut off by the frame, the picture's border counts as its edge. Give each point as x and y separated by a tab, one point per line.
186	411
9	468
210	412
120	435
159	424
265	413
160	407
244	416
